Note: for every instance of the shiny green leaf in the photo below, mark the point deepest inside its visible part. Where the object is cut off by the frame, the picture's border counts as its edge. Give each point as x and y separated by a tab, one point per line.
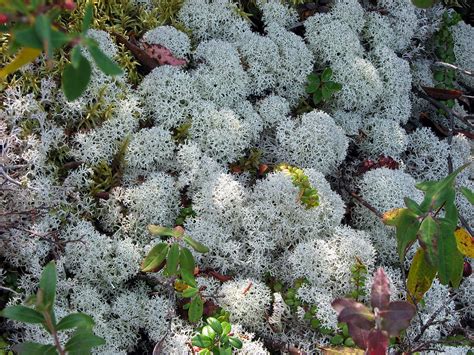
186	260
429	234
155	258
201	341
327	74
172	259
215	324
75	320
200	248
235	342
209	332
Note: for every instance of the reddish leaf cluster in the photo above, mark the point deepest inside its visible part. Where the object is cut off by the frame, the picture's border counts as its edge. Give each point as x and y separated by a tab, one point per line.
371	330
382	162
163	55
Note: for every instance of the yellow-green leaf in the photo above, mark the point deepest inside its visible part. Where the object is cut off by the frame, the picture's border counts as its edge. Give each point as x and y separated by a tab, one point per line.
420	276
24	56
465	242
155	258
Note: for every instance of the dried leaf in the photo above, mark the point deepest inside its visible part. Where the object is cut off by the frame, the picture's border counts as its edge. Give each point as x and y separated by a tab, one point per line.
163	55
442	94
342	351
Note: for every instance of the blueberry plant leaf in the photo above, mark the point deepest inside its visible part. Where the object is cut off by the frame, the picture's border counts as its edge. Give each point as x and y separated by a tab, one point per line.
75	320
429	234
396	317
75	80
22	314
420	276
468	194
451	260
377	342
380	295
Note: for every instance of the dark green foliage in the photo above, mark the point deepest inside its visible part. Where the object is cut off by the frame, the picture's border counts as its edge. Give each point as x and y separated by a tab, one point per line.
321	86
82	339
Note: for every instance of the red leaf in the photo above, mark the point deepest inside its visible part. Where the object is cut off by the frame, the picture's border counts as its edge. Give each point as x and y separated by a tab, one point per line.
442	94
380	296
355	313
377	343
397	317
359	335
163	55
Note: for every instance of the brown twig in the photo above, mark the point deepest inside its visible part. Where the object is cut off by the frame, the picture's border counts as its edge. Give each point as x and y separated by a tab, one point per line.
247	288
366	204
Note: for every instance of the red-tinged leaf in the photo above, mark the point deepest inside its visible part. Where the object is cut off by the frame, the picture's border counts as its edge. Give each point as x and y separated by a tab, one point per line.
397	317
359	335
352	312
380	296
377	343
442	94
163	55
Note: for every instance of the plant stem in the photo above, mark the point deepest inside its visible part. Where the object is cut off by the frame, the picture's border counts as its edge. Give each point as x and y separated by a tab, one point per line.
49	324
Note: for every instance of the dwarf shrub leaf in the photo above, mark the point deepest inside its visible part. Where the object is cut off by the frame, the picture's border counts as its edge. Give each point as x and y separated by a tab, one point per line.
48	285
420	276
75	320
22	314
172	259
107	65
155	258
75	80
195	309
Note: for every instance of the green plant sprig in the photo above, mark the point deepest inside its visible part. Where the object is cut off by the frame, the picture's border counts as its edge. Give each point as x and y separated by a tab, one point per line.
321	86
82	340
215	338
37	33
178	261
308	195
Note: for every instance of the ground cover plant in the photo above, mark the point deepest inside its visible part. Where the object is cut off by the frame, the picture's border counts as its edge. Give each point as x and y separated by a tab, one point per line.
236	177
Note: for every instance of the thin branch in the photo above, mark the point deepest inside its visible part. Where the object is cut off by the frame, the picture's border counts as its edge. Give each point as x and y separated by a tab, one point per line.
451	66
431	320
366	204
452	114
8	289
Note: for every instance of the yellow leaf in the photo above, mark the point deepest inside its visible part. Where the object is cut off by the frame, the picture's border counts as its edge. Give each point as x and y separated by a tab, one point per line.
342	351
420	276
24	56
390	217
180	286
465	242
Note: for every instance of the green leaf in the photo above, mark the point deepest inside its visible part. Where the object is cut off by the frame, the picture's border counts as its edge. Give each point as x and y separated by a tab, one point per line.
468	194
83	340
200	248
235	342
327	74
86	22
48	285
75	320
195	309
58	39
28	37
423	4
189	292
209	332
205	352
326	92
429	234
188	278
311	88
450	259
155	258
75	80
186	260
30	348
413	206
172	259
201	341
313	78
76	56
215	324
22	314
317	97
407	225
226	327
107	65
420	276
43	31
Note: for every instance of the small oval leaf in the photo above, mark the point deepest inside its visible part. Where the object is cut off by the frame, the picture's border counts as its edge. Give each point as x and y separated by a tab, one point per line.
172	259
155	258
200	248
